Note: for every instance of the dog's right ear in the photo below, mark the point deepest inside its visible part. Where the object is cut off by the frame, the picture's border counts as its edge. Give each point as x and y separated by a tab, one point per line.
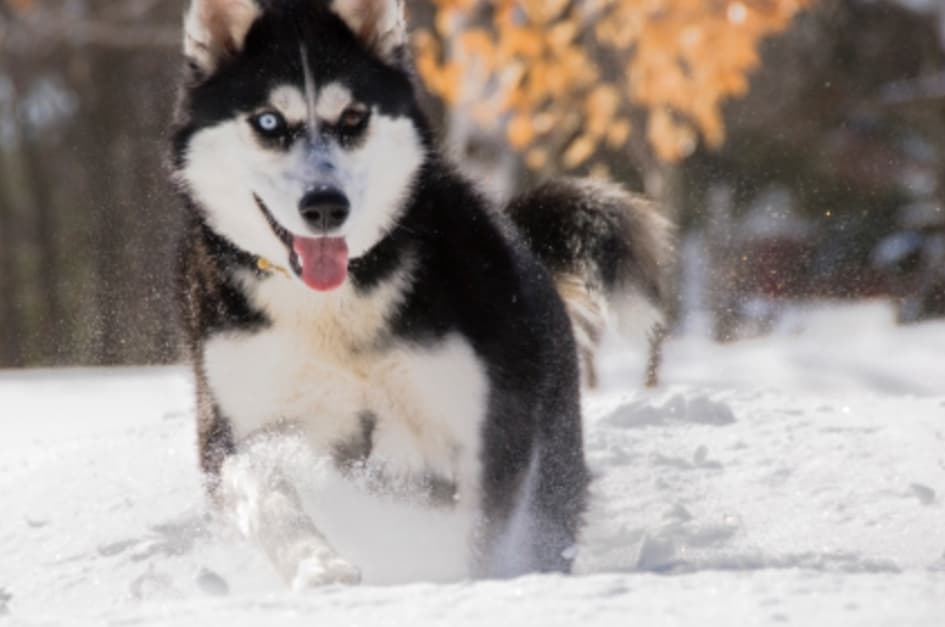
215	30
379	24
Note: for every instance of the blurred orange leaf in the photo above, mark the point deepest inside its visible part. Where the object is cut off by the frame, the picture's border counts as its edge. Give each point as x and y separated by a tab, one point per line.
550	64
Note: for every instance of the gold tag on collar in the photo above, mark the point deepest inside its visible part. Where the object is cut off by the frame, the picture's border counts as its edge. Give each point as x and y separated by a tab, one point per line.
265	265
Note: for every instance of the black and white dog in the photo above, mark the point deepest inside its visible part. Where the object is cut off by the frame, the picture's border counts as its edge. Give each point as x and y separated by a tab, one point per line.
346	290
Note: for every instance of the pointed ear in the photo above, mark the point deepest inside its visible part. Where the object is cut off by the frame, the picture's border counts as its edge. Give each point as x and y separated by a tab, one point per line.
380	24
216	29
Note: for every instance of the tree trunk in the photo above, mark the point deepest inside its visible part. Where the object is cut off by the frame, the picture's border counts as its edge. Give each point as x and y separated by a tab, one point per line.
10	348
48	272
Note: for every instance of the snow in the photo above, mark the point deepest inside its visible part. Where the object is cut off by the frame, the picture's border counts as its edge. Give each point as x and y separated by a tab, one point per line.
797	478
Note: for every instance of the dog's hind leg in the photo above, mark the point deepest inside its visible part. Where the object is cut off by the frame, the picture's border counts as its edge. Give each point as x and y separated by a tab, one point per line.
257	495
654	359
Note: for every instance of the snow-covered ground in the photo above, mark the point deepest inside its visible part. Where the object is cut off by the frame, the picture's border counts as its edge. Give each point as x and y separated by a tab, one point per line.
797	479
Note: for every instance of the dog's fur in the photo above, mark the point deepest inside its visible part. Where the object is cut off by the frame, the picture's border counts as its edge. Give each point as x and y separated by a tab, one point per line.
445	360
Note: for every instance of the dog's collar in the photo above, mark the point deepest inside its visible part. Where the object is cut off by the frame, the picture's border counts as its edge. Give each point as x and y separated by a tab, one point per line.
226	251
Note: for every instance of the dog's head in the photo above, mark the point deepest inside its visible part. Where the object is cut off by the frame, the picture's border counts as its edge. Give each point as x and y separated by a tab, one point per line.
299	134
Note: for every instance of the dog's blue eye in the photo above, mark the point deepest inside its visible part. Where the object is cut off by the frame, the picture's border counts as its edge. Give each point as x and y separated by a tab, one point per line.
269	123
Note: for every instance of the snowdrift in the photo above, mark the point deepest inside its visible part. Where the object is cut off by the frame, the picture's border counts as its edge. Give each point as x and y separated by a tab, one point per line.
797	478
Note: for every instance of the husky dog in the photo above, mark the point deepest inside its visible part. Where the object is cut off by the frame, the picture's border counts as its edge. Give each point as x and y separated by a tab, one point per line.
345	288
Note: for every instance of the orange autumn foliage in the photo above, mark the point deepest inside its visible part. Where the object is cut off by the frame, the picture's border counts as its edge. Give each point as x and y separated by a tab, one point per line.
562	76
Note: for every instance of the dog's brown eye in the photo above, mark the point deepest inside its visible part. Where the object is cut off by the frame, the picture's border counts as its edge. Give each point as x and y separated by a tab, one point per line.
353	118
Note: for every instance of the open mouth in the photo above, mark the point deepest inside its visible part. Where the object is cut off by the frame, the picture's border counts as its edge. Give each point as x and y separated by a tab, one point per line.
321	262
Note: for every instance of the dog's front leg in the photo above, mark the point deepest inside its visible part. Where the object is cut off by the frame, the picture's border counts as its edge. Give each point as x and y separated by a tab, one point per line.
260	499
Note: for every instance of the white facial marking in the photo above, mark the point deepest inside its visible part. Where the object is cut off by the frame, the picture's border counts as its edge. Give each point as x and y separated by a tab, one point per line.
333	99
378	176
221	163
290	101
309	85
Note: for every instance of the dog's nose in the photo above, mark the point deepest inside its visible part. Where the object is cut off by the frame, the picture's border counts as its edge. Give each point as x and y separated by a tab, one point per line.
324	208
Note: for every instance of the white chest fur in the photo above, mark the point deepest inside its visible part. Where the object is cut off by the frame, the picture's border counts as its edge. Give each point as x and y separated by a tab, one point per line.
320	366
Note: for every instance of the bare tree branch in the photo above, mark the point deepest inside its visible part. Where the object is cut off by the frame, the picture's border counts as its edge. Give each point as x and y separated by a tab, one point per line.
112	35
23	33
925	89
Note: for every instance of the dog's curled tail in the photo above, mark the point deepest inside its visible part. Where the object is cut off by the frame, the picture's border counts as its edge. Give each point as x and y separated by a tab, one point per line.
609	252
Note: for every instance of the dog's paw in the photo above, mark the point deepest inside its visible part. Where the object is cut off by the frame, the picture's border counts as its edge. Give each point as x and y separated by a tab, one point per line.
322	571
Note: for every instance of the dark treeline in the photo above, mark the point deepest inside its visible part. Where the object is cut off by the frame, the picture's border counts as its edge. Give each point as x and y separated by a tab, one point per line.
832	181
87	217
844	130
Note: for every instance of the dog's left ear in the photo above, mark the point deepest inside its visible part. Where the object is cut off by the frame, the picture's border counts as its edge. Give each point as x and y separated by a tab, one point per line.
380	24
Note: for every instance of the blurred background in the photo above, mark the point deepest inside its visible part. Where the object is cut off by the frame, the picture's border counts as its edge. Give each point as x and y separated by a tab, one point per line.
799	144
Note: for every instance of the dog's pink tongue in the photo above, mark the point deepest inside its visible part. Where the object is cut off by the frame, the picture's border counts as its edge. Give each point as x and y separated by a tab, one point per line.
324	261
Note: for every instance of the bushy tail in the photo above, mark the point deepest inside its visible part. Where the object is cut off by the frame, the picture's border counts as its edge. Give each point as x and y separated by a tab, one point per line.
609	252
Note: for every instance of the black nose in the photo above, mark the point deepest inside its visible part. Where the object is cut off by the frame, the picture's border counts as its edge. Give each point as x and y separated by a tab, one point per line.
324	208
